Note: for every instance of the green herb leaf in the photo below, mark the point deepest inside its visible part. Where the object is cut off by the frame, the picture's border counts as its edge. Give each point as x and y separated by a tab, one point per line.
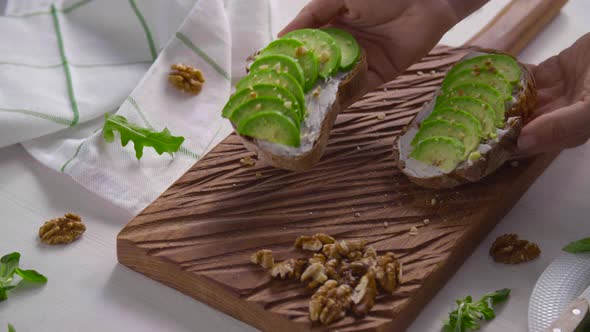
31	275
8	264
11	328
141	137
468	313
579	246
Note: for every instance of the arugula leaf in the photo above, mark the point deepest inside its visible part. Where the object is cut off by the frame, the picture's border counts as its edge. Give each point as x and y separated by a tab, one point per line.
11	328
8	264
579	246
31	275
468	313
141	137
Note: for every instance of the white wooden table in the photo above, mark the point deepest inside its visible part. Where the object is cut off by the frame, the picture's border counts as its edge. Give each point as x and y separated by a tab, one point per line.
89	291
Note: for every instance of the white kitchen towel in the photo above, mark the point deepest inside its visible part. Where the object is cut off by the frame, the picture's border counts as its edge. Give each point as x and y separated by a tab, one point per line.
64	64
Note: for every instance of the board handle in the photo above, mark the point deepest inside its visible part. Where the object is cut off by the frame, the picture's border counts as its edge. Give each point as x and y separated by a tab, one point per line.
517	24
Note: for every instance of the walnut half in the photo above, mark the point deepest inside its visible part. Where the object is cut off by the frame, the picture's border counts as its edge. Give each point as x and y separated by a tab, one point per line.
62	230
509	249
186	78
330	302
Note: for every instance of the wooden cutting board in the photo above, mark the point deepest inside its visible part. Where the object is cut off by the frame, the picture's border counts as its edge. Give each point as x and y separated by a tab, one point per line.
198	236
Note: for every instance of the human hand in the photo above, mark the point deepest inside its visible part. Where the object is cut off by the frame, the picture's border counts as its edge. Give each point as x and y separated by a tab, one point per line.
394	33
562	118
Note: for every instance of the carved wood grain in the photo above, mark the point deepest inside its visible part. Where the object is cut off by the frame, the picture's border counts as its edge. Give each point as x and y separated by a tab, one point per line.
198	236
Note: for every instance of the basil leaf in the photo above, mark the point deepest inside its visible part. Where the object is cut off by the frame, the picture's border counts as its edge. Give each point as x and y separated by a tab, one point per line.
31	275
11	328
8	264
579	246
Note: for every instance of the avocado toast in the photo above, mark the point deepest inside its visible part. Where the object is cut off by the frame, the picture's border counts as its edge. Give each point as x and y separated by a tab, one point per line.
286	106
471	127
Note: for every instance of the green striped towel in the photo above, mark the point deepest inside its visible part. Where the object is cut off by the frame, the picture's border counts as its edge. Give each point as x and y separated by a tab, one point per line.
63	65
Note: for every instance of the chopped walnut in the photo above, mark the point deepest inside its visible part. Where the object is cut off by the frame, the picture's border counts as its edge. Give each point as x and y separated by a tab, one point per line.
349	248
263	258
414	231
332	268
331	252
62	230
317	258
381	116
186	78
340	267
508	249
313	243
324	57
387	272
365	294
300	51
330	302
248	161
288	269
316	273
317	91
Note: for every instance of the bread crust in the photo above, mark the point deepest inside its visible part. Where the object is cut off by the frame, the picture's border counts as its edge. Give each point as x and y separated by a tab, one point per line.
348	89
501	151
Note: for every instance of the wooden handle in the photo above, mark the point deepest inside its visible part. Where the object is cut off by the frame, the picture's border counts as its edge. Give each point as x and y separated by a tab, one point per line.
517	24
571	318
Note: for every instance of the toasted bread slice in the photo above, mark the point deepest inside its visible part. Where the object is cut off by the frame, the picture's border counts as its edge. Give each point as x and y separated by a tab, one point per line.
492	153
324	102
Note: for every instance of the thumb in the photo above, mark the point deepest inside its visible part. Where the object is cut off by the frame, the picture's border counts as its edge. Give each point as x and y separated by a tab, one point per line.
563	128
316	14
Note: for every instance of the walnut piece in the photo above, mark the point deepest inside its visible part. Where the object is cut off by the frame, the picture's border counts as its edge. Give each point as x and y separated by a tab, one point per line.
62	230
288	269
313	243
350	249
316	273
508	249
365	294
263	258
388	272
330	302
186	78
347	274
248	161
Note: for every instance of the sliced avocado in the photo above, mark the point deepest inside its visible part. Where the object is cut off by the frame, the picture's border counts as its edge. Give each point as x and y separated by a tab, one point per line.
501	63
481	110
261	90
467	136
280	63
483	92
324	47
272	126
457	116
307	59
495	80
442	152
349	47
269	76
262	104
